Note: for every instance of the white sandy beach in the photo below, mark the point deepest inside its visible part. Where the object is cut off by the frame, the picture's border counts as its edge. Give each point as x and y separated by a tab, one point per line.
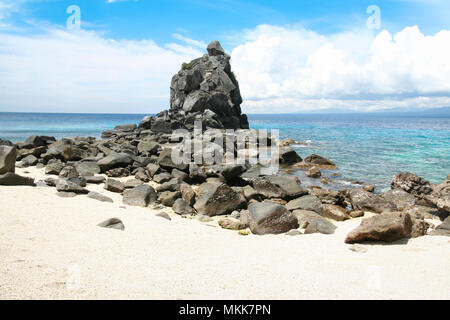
52	248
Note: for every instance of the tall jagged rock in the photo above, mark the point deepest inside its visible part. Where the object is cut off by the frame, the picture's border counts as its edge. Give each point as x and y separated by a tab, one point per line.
205	90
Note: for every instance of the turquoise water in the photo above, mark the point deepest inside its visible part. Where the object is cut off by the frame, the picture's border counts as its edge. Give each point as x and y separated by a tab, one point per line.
366	147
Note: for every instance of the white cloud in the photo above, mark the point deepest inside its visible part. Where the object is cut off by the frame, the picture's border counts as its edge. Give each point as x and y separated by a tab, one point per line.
84	72
296	69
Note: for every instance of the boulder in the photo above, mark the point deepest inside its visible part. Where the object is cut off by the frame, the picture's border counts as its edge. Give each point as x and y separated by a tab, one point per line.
411	183
307	202
114	186
8	157
28	161
165	161
149	147
38	141
270	218
54	166
167	198
187	193
288	156
153	169
334	212
72	153
65	185
313	222
329	196
126	127
87	168
384	227
282	186
12	179
319	160
367	201
68	172
314	173
220	200
115	160
402	199
132	183
182	208
162	177
113	223
140	196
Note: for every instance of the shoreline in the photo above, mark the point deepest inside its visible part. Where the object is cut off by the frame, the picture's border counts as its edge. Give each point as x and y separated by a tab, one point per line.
46	238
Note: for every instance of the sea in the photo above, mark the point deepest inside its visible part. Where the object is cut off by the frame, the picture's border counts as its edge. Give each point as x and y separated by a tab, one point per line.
366	147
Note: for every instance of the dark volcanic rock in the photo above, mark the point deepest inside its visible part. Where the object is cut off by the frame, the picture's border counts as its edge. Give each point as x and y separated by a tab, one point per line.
289	156
115	160
411	183
165	161
64	185
38	141
270	218
12	179
8	157
284	187
182	208
205	89
114	186
54	166
307	202
367	201
319	160
140	196
221	199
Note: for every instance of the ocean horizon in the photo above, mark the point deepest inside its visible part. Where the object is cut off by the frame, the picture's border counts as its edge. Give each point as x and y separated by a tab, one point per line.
367	147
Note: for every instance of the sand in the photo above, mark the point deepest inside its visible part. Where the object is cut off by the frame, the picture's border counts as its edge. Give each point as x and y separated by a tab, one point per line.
52	248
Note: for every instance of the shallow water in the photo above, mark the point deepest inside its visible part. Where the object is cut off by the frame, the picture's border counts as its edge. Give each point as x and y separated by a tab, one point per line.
365	147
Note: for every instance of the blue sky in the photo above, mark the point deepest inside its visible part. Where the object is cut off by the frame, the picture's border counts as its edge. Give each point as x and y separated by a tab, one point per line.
128	51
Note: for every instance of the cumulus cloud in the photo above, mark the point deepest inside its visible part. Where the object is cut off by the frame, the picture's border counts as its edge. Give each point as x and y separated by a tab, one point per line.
296	69
62	71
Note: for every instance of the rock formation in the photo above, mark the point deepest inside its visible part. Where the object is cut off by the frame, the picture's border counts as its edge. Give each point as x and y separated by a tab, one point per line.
205	90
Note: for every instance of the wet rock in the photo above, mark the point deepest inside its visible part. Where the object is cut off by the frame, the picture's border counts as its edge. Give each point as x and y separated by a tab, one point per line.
284	187
113	223
140	196
99	197
313	173
114	186
8	157
366	201
270	218
12	179
411	183
221	199
288	156
308	202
